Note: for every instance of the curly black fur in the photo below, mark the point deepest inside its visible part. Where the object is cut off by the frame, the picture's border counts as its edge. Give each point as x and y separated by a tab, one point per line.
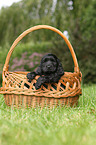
50	71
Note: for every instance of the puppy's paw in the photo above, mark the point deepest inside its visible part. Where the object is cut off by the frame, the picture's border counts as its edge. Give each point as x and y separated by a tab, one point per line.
39	83
37	86
31	75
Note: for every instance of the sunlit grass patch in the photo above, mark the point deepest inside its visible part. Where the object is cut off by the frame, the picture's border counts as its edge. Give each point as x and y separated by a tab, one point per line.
57	126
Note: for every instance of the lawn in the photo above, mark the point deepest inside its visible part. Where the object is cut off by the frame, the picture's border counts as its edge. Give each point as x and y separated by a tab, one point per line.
57	126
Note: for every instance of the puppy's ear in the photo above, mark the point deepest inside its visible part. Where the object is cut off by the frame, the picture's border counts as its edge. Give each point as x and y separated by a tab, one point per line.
38	71
60	69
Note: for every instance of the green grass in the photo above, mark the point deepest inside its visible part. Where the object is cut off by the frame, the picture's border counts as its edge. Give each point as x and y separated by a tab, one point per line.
57	126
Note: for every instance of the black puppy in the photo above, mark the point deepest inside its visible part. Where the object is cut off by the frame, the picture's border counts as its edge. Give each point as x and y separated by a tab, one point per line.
50	71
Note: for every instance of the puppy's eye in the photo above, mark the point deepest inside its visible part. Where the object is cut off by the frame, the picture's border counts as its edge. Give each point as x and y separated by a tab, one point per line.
52	59
46	59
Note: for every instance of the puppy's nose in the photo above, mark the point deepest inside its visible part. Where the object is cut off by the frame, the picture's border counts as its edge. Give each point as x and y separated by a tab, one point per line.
48	66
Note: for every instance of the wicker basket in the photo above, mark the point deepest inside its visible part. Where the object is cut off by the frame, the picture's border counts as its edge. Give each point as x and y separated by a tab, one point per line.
16	94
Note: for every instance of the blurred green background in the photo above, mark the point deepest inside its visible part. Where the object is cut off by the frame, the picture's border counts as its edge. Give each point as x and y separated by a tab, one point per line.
75	18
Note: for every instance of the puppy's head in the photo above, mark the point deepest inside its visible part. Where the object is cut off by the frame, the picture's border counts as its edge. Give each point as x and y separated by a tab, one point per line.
49	63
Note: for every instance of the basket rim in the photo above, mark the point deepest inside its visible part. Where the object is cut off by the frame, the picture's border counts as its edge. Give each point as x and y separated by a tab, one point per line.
50	93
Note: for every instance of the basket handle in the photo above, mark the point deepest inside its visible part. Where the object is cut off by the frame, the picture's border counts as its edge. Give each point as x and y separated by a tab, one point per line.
6	65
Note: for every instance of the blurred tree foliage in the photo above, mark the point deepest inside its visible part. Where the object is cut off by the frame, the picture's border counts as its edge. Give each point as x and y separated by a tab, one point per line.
82	33
75	16
81	20
27	13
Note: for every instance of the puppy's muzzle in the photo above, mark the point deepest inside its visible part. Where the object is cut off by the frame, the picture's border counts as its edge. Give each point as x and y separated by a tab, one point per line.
49	66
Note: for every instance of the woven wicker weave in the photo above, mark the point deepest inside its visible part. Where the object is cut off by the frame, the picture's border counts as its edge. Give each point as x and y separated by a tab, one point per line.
65	92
